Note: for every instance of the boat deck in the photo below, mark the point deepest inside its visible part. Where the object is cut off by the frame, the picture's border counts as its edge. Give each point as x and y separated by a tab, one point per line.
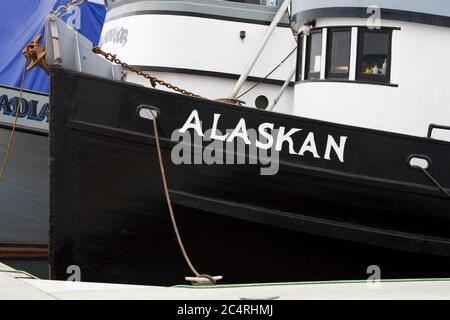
18	285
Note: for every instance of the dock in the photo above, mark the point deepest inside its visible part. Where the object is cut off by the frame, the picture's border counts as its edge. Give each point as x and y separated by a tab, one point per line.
15	284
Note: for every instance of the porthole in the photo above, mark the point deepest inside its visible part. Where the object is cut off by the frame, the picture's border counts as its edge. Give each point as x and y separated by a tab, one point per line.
262	102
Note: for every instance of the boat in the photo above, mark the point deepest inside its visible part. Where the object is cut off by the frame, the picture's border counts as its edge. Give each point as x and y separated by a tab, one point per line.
25	217
24	180
145	183
203	46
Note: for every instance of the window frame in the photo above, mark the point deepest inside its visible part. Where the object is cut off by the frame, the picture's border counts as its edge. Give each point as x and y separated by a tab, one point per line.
328	73
300	58
307	75
355	70
360	76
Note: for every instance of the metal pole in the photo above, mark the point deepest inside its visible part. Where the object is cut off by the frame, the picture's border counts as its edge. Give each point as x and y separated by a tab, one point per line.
285	85
260	48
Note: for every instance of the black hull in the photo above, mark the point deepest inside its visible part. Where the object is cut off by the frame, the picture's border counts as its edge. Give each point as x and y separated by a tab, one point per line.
109	216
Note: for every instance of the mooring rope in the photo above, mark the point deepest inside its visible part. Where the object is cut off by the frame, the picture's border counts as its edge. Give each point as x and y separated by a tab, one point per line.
433	180
169	204
13	130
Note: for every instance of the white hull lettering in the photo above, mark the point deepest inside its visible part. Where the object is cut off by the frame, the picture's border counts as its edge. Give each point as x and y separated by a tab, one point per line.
270	135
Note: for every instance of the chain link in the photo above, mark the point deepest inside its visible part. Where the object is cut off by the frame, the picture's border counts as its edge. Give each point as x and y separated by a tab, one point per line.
61	11
153	81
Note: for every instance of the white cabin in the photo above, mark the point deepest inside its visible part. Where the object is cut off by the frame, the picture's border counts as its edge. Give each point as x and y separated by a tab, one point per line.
383	67
203	46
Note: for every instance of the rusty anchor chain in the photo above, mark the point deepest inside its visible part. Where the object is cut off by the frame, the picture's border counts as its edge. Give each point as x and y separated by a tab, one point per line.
153	80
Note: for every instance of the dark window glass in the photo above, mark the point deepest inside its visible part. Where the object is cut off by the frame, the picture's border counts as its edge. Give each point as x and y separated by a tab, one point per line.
374	55
338	57
262	102
298	76
314	55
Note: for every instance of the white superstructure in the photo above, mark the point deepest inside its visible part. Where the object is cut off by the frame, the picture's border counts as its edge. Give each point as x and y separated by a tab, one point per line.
203	46
382	67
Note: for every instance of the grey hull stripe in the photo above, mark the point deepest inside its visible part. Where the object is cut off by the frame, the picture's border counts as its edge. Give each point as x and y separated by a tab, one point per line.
210	74
211	9
358	12
193	14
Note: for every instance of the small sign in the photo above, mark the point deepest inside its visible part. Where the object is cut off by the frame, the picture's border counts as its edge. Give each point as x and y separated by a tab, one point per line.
33	110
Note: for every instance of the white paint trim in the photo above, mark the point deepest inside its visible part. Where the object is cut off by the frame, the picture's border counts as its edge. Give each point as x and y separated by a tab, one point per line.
215	87
353	53
200	44
304	57
97	1
324	53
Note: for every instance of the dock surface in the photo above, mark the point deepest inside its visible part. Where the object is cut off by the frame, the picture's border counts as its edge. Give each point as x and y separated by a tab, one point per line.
18	285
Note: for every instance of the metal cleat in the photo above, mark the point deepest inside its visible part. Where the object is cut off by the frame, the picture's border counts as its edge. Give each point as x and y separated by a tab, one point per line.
203	280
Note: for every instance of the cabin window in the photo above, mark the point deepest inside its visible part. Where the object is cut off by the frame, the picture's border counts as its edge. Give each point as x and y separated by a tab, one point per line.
298	76
338	54
314	55
351	53
374	55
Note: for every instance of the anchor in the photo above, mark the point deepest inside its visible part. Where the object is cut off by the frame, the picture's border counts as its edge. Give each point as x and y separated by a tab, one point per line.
34	52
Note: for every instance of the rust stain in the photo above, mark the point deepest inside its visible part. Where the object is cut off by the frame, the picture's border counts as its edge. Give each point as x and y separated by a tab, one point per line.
23	252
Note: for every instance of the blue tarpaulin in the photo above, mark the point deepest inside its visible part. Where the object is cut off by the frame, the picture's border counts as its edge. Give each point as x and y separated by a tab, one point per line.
22	20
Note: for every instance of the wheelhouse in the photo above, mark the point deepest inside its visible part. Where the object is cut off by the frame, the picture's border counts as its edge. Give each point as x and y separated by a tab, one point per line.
381	67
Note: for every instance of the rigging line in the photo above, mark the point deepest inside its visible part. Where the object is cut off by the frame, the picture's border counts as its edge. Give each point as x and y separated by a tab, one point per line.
169	204
268	75
13	130
433	180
